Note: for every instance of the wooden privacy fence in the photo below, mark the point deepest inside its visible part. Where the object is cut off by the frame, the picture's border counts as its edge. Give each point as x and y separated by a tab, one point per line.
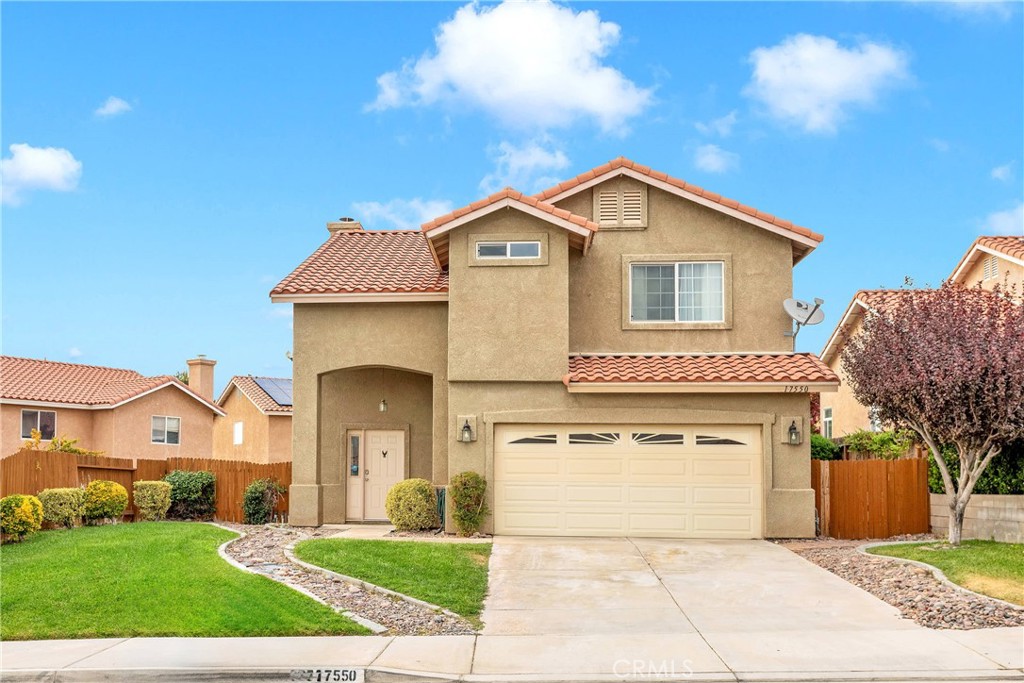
871	498
30	471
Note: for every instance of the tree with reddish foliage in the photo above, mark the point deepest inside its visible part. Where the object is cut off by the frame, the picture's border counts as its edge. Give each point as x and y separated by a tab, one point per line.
949	364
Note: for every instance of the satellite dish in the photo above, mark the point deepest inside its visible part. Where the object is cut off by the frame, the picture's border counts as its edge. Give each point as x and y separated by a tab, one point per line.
803	313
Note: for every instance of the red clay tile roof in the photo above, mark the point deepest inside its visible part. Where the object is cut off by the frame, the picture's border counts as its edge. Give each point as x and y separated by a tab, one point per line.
31	379
371	261
514	195
875	299
1005	244
782	367
261	399
878	299
623	162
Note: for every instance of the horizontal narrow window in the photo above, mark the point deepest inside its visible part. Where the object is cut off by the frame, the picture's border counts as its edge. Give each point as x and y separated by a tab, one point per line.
595	437
485	250
703	440
647	438
539	438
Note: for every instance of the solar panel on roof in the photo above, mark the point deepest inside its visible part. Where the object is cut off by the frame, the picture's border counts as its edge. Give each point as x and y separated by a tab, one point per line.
279	390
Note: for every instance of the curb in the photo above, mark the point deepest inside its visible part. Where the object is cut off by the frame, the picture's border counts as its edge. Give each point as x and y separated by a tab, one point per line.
935	571
373	626
367	585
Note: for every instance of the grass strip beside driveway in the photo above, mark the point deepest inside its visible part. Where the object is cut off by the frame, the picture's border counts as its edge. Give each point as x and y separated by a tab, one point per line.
988	567
146	579
451	575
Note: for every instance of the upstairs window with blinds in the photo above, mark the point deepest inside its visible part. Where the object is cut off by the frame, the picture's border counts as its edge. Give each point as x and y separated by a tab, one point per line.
623	206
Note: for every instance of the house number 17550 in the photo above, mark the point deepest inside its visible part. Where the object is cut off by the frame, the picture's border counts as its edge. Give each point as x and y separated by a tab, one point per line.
797	388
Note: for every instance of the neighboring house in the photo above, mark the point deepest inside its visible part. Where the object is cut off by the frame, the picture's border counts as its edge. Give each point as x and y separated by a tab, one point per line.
120	412
991	260
257	425
611	354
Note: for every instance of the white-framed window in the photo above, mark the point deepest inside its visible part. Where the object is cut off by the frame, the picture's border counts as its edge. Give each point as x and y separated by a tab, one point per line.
826	422
990	267
237	433
43	420
686	292
508	249
166	429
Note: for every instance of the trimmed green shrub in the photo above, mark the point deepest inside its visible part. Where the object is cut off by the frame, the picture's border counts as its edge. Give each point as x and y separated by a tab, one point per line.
193	494
823	448
63	507
20	516
152	498
883	445
411	505
469	502
1003	476
259	500
104	500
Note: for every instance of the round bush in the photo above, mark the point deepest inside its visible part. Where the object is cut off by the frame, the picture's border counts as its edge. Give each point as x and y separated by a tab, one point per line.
469	502
20	516
152	498
259	500
193	494
823	448
411	505
104	500
63	507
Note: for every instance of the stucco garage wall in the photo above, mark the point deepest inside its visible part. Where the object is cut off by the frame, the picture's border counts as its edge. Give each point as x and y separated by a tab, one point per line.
330	337
789	499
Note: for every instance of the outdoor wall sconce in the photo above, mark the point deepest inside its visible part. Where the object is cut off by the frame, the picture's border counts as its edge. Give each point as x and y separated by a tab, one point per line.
383	405
794	434
467	432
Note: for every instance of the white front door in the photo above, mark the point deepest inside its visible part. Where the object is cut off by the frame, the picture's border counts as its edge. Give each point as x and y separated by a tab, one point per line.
384	466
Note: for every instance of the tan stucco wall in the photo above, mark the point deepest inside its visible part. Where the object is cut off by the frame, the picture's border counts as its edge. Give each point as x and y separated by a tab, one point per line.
255	430
761	279
329	337
508	322
848	415
70	423
1010	274
280	440
124	432
789	500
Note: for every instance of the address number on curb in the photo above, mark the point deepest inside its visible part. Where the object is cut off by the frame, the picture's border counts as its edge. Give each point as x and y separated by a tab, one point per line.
797	388
330	675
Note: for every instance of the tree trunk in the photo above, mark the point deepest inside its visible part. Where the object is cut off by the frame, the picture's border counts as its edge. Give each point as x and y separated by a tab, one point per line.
957	508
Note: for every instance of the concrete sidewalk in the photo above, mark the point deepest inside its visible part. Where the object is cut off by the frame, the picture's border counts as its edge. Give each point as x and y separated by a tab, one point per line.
989	655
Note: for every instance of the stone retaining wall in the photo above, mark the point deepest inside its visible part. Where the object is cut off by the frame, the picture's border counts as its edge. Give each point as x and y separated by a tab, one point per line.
999	518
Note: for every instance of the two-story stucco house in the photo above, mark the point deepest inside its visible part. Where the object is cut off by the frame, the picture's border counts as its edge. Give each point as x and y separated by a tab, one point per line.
990	261
120	412
611	354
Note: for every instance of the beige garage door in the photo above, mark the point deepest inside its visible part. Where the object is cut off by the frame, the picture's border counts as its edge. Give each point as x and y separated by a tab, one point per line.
672	481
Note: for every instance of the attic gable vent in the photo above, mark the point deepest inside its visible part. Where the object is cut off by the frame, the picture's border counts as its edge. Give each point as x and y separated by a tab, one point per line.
990	268
621	205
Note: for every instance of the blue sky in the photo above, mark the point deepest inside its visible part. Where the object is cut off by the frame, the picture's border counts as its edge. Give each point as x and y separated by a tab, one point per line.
171	162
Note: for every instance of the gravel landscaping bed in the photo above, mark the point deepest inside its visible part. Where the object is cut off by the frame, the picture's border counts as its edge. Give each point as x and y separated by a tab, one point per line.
914	591
261	550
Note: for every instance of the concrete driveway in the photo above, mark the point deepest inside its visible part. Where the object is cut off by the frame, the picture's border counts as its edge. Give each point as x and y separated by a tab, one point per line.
722	607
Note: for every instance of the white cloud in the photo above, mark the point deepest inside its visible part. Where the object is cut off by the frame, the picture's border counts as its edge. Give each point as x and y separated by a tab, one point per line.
1004	172
524	167
37	168
403	214
812	81
714	159
532	65
721	126
1008	222
74	352
939	145
112	107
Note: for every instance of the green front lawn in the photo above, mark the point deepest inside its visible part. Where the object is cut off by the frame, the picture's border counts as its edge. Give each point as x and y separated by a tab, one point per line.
988	567
146	579
452	575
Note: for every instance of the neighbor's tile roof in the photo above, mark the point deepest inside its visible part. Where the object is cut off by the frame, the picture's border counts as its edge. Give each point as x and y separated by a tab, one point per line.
261	399
878	299
515	195
1005	244
31	379
367	261
623	162
782	367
